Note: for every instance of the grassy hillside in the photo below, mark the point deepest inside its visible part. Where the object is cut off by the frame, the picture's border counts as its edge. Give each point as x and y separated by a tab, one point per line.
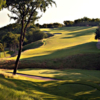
65	42
76	85
70	47
33	45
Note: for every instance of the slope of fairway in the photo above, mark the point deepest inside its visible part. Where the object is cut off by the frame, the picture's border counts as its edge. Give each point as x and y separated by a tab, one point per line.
65	42
76	85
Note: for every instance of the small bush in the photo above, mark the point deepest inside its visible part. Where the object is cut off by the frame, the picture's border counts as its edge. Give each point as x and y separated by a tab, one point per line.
34	35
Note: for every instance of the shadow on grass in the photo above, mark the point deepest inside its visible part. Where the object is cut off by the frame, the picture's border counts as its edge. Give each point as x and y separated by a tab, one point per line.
79	49
71	28
33	45
85	56
81	33
75	74
59	90
46	31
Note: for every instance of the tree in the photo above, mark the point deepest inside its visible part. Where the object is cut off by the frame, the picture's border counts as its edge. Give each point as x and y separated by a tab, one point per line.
95	20
68	23
85	19
97	33
50	25
44	25
56	25
26	11
11	40
1	47
38	25
2	3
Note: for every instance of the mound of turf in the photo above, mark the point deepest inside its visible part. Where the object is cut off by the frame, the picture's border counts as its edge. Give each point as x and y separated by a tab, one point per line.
33	45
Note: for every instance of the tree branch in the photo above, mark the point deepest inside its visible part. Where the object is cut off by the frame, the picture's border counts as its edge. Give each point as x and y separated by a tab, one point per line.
28	22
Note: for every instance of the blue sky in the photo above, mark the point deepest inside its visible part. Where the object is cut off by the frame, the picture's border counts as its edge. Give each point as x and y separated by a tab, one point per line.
65	10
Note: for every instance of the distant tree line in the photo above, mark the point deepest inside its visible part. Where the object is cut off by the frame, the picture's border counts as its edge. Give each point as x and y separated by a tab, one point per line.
85	21
50	25
97	33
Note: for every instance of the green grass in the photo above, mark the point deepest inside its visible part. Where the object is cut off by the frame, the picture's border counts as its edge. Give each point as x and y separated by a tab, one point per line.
74	48
72	41
69	74
33	45
76	85
6	54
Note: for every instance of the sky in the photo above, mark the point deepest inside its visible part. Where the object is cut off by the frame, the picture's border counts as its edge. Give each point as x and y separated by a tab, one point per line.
65	10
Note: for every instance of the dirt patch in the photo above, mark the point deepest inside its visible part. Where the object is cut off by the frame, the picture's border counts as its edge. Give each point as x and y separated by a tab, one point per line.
37	77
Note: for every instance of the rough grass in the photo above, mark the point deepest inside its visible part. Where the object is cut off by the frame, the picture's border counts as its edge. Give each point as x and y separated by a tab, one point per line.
76	85
80	61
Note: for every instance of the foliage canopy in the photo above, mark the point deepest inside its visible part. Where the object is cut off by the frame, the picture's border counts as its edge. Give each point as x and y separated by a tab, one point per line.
2	3
27	9
26	12
1	47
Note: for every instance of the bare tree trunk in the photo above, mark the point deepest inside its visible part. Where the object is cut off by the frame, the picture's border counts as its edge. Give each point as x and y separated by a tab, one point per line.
20	49
23	31
17	61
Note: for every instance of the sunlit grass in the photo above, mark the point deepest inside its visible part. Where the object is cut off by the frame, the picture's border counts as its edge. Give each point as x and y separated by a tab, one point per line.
76	85
70	74
6	54
33	45
87	77
69	38
73	84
